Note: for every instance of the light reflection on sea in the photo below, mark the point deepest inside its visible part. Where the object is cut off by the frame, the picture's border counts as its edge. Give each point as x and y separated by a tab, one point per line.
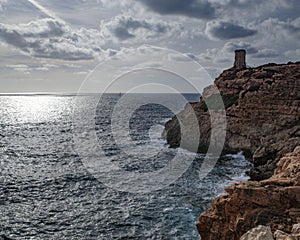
47	193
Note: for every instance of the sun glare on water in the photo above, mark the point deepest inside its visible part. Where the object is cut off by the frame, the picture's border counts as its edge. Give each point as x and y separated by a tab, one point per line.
22	109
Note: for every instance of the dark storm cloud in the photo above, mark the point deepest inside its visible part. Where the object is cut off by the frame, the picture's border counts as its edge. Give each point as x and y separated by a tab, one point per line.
191	8
225	30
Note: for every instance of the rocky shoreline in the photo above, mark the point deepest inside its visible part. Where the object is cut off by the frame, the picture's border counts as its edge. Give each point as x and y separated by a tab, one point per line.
274	202
262	107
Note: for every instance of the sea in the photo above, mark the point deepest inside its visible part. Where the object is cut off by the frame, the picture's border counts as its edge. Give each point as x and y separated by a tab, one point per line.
51	189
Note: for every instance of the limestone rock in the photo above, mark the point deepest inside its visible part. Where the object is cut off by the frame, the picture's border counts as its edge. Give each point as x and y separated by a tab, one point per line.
295	235
274	202
263	120
262	110
280	235
296	229
258	233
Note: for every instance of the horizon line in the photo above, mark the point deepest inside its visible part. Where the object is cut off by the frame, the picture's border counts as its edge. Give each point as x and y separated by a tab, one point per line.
88	93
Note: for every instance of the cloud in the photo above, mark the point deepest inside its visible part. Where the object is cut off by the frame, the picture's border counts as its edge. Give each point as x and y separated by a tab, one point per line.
124	28
265	53
230	47
282	30
27	69
2	2
49	38
64	50
19	67
209	55
256	11
184	57
293	55
44	28
190	8
226	30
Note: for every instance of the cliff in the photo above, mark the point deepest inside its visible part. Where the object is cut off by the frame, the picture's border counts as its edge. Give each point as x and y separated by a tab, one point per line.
263	120
262	111
274	202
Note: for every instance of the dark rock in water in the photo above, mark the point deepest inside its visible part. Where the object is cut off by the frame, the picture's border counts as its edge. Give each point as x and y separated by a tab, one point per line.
173	135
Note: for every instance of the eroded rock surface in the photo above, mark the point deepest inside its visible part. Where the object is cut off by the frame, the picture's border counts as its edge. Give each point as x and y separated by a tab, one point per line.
263	114
274	202
265	233
263	120
258	233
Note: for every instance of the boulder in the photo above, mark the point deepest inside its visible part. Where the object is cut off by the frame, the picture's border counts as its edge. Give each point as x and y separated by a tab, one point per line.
258	233
280	235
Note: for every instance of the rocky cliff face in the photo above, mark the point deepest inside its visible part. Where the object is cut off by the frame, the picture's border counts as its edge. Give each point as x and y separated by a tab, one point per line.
274	202
263	119
263	114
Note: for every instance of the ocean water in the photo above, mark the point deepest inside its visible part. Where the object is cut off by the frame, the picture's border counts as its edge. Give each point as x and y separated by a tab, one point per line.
48	191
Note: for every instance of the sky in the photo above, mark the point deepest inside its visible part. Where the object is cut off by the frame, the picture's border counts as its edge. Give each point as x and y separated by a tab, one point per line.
55	45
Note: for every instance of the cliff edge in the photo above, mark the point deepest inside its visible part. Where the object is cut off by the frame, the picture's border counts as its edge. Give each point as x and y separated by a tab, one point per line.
262	113
262	107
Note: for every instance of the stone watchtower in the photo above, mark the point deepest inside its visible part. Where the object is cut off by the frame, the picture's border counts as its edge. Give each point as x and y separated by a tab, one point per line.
240	59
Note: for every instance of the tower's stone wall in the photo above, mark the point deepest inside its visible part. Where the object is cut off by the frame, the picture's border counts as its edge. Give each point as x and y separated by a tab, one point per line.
240	59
